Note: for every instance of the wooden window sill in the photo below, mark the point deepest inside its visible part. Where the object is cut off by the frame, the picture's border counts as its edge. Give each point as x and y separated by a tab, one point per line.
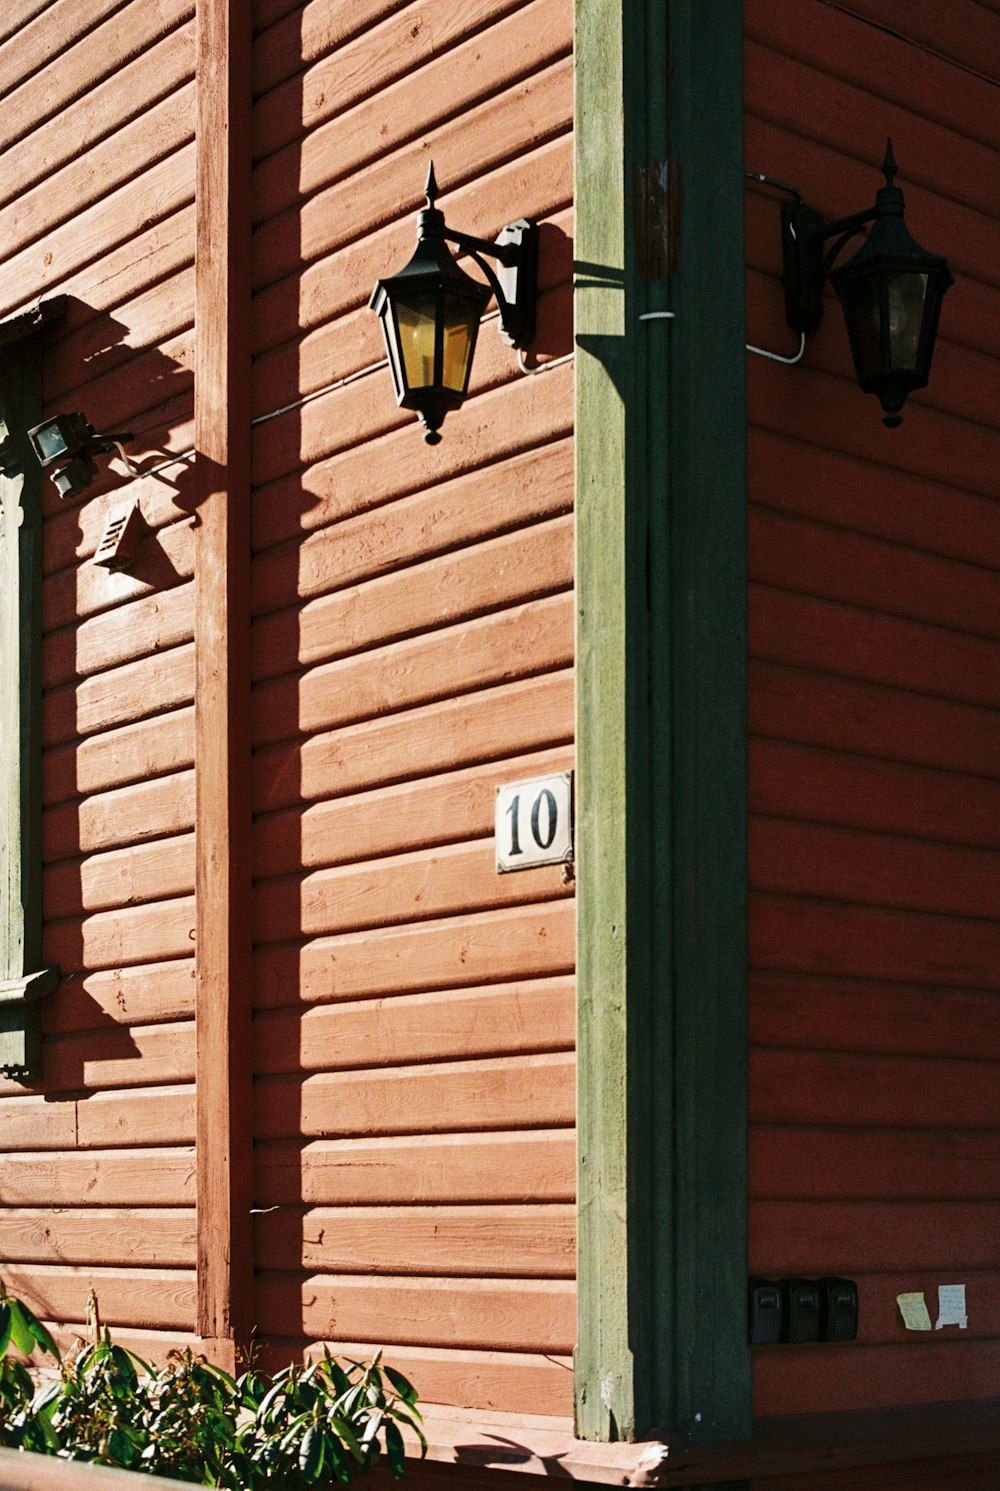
780	1445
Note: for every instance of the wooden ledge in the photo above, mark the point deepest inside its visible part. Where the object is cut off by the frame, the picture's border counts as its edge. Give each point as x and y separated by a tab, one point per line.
780	1446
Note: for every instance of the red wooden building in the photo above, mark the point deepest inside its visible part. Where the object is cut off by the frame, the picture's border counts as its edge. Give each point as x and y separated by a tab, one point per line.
287	1060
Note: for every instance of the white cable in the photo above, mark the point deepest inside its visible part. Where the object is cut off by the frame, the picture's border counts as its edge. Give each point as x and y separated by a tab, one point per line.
553	362
777	357
658	316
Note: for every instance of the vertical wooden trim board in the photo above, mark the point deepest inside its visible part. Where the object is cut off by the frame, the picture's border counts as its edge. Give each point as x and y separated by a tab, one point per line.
661	721
222	753
22	979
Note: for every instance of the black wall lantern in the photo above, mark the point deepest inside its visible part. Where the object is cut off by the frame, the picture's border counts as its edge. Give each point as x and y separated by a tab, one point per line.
891	291
69	443
430	310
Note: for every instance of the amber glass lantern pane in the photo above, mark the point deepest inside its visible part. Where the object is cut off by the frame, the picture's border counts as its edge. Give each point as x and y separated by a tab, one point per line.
416	321
461	322
906	294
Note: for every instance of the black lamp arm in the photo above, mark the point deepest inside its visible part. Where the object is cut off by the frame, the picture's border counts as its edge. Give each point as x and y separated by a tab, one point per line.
804	232
515	287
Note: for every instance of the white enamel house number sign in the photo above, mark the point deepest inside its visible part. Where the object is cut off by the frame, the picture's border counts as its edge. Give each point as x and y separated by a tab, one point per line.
534	822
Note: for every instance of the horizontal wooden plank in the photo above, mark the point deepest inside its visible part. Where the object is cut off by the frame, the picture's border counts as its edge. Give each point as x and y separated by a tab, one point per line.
852	791
815	559
875	869
833	487
17	14
117	1177
126	996
514	942
375	56
28	1122
153	685
843	1237
443	881
409	815
82	590
502	497
152	624
95	49
845	47
126	815
151	1115
539	1165
509	1092
121	877
852	1088
965	36
119	1057
501	1019
126	1296
154	747
480	1241
877	1165
784	89
509	1381
488	1314
155	73
152	1237
112	939
527	639
308	31
817	1013
492	723
511	420
868	719
829	637
793	1380
160	129
505	571
523	112
107	224
790	934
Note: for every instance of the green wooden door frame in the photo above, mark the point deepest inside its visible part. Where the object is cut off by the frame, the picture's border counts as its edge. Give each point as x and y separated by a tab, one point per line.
661	720
23	980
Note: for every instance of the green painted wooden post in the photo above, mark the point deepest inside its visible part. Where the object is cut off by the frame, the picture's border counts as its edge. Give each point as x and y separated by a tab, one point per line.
661	726
23	980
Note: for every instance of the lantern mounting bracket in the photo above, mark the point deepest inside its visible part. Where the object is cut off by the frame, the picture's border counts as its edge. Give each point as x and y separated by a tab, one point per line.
514	282
805	267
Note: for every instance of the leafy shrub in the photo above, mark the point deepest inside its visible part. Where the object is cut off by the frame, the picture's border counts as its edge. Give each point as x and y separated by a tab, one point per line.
302	1427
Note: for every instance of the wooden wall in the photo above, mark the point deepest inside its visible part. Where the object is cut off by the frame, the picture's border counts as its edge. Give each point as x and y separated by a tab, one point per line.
412	648
96	1162
874	558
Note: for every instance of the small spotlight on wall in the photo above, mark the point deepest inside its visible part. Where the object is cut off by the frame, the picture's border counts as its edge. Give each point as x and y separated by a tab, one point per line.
430	310
891	291
66	446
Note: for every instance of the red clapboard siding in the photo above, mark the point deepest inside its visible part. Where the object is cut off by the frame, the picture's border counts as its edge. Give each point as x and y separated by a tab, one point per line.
523	941
154	1237
491	1021
123	1178
875	856
535	1165
473	1241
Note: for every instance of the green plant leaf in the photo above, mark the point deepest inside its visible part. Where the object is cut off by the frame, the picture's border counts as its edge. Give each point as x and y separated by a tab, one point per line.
5	1324
341	1427
20	1330
311	1453
404	1387
395	1450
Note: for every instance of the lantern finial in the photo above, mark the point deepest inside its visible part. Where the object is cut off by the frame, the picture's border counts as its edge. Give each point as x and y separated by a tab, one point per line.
431	186
889	163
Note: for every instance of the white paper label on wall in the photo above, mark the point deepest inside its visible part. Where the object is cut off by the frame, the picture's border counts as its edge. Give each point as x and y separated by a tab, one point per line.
951	1306
534	822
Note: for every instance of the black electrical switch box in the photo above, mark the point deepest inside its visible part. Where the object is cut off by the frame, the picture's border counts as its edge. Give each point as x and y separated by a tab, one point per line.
801	1309
765	1312
838	1309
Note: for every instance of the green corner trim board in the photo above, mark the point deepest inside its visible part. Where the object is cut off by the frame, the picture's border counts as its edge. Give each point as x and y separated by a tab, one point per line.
661	720
23	979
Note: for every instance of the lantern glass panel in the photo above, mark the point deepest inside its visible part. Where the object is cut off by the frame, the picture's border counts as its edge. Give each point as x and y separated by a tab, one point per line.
907	294
416	320
461	322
